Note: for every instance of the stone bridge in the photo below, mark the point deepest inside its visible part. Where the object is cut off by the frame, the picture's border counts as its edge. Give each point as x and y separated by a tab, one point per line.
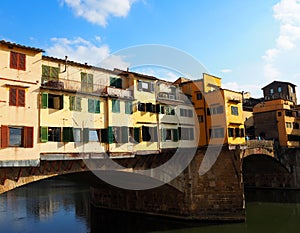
266	165
209	188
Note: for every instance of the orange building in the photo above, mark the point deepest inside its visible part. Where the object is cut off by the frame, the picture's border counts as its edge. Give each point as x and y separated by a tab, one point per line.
219	111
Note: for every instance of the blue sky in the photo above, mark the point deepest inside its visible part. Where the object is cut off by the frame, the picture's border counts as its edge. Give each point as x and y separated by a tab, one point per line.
248	43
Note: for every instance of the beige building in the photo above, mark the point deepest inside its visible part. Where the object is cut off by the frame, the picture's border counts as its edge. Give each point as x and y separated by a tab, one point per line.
20	69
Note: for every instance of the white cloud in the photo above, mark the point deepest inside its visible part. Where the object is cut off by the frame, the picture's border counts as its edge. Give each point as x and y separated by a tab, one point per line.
83	51
280	61
226	71
98	11
78	49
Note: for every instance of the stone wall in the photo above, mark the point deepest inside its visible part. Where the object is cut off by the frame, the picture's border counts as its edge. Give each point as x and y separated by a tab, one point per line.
216	195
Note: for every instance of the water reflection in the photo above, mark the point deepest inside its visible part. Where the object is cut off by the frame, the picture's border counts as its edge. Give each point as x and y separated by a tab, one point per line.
63	205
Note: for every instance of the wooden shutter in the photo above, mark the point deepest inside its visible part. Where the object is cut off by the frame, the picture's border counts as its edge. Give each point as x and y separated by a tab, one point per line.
91	106
12	96
110	135
163	135
152	87
104	135
119	83
78	103
124	130
154	137
84	82
13	60
54	73
136	135
68	134
21	98
175	135
21	61
28	137
72	103
44	97
4	136
90	83
86	136
44	134
140	83
97	106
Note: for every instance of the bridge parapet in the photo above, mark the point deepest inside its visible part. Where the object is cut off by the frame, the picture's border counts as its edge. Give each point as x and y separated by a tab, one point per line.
254	147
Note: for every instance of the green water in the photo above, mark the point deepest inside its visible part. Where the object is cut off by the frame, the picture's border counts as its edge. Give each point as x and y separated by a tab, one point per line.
63	205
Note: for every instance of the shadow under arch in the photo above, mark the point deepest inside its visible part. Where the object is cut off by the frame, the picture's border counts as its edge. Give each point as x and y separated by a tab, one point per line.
264	171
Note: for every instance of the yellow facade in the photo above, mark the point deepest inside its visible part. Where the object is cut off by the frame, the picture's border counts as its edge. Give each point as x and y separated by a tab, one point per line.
20	69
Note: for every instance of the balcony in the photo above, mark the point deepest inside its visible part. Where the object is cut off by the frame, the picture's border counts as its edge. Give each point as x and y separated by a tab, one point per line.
72	85
120	93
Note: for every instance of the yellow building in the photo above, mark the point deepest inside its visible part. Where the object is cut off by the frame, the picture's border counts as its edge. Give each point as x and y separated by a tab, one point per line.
219	111
20	69
73	109
144	133
176	119
278	120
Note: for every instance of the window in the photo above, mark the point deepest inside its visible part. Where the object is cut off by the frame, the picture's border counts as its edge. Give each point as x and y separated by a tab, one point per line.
128	107
93	106
288	125
271	91
116	82
234	111
199	96
279	114
16	136
134	135
215	110
54	134
186	112
52	101
49	73
150	107
169	110
279	89
296	125
115	106
216	133
145	86
293	138
118	134
17	96
17	61
75	103
200	118
230	132
186	133
87	82
237	132
141	107
149	134
169	135
93	135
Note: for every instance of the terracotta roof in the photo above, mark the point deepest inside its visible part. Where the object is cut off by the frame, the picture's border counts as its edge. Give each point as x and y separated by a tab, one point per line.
10	44
137	74
288	83
48	58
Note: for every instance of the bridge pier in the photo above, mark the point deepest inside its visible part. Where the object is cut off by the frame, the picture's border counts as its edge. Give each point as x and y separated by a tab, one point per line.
216	195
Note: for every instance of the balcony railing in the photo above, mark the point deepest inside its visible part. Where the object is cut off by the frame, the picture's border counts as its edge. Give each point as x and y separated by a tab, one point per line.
120	93
72	85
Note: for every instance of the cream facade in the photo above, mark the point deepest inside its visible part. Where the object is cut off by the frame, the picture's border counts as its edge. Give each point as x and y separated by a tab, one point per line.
20	69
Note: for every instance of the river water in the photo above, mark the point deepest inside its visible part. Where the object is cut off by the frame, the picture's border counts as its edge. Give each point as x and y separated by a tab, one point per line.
62	205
